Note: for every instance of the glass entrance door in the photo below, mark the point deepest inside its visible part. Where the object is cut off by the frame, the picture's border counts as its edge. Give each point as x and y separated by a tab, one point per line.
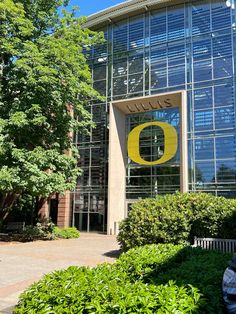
89	212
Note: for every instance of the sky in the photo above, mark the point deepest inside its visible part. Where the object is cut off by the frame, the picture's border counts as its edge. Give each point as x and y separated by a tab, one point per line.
88	7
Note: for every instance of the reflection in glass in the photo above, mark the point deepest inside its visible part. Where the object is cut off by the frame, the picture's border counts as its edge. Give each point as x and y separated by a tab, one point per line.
203	98
226	171
204	172
204	149
190	47
225	147
203	120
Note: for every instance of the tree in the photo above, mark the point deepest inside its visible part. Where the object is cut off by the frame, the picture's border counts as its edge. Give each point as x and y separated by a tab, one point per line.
45	86
225	173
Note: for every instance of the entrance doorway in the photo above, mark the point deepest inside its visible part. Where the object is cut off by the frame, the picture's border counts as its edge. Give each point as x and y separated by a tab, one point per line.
137	175
89	212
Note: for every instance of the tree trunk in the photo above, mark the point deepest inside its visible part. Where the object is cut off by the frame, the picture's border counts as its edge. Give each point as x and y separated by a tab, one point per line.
7	200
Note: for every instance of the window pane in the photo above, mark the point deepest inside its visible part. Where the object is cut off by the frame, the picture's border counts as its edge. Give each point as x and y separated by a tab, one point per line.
204	149
99	113
224	95
223	67
203	98
203	120
119	67
202	70
176	75
224	117
205	172
119	86
120	37
202	49
158	78
176	54
136	64
84	157
159	57
99	72
175	19
136	33
100	86
135	83
200	18
222	46
221	17
158	27
226	171
225	147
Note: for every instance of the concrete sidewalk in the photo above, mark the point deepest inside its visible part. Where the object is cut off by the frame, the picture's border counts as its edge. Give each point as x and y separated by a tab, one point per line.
21	264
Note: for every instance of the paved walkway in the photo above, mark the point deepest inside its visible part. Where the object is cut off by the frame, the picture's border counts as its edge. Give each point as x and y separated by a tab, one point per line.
21	264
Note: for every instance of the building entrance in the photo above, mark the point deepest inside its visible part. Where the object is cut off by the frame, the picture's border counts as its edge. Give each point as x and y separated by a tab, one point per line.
89	212
147	151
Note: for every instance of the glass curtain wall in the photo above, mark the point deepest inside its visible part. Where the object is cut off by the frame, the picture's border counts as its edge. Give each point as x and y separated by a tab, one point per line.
149	181
184	47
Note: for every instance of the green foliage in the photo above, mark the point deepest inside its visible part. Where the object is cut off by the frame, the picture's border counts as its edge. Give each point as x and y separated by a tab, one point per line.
41	231
162	220
66	233
209	215
44	230
45	88
157	264
177	218
142	263
105	289
152	279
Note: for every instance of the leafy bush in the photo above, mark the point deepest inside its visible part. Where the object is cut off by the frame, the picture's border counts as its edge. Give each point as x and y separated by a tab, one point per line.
157	264
177	218
42	230
209	215
104	289
66	233
152	279
142	262
46	230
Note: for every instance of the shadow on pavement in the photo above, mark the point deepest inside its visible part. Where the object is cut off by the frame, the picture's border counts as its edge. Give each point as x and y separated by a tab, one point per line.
113	253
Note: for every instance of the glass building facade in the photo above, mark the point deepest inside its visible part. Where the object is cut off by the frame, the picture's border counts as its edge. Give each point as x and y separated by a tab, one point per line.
187	46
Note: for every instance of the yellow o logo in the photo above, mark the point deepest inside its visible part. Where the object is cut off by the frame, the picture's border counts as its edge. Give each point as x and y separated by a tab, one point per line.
170	143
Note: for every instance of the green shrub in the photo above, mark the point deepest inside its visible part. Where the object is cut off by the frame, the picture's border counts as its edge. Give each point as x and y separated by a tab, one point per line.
66	233
42	230
209	215
161	220
159	278
104	289
177	218
142	262
157	264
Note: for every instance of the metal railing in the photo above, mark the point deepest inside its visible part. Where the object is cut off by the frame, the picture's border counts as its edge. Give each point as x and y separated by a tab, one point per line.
223	245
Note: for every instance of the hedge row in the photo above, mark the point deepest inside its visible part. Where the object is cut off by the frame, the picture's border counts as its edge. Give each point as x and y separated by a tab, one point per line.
177	218
149	279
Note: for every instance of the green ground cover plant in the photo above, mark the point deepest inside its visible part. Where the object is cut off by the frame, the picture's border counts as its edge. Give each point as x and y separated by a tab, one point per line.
44	230
41	231
157	264
177	218
160	278
66	233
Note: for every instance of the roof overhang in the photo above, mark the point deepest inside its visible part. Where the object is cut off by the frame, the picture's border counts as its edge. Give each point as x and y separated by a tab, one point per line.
126	9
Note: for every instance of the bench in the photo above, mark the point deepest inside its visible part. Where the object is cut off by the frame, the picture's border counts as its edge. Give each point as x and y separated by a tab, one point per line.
223	245
15	226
